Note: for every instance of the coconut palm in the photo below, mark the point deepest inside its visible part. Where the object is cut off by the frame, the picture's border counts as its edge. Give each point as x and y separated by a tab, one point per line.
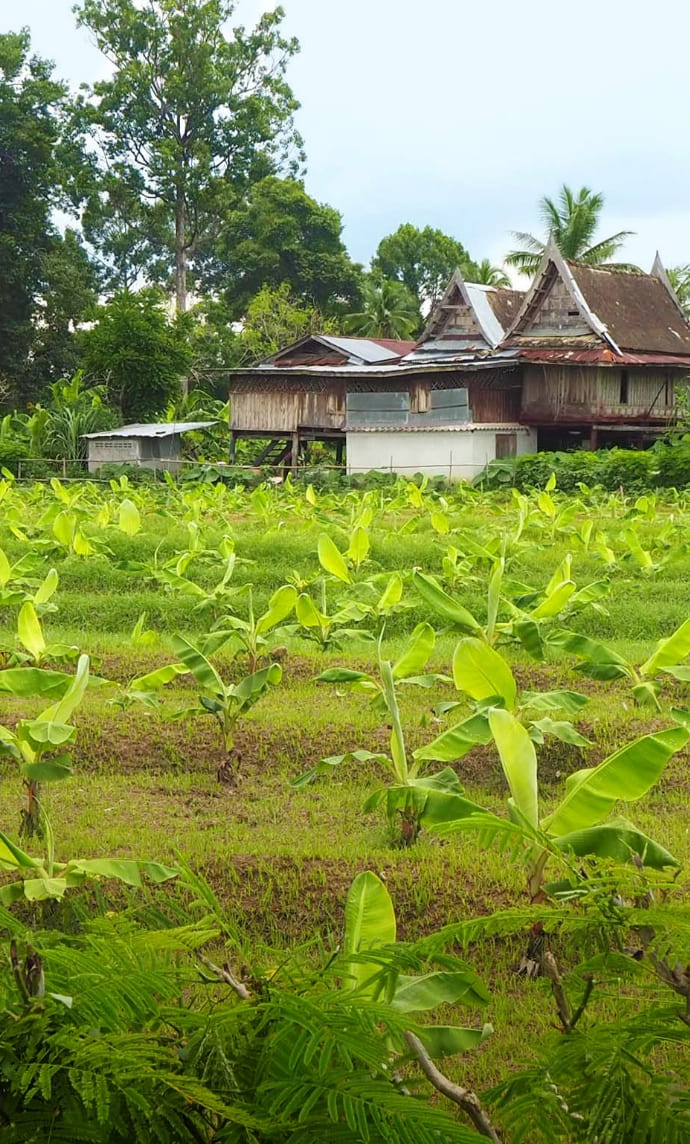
679	277
389	311
484	274
572	221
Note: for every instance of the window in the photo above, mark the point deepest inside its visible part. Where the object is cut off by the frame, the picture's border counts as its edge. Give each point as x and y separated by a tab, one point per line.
506	445
623	395
336	402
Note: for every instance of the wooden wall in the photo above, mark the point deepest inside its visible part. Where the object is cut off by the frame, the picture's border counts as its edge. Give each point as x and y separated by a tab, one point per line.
556	313
285	411
587	393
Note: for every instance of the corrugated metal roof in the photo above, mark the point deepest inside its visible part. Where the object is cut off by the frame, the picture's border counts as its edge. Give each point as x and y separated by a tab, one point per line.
489	323
366	349
458	427
158	429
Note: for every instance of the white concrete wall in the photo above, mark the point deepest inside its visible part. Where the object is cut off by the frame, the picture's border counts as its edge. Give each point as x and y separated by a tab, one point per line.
457	456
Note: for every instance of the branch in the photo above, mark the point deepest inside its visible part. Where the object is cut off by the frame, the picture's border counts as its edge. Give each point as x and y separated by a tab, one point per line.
225	975
569	1019
465	1099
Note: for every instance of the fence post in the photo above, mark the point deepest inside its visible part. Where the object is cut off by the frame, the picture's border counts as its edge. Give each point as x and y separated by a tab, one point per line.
64	468
19	470
450	467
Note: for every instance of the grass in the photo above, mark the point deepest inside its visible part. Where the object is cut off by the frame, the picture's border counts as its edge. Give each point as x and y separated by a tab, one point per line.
282	859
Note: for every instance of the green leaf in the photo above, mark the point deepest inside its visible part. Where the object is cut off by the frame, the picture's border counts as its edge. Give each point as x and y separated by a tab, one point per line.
202	670
306	612
600	661
44	889
253	686
528	633
46	772
444	605
26	682
62	711
568	701
125	870
392	593
43	731
417	651
457	741
47	588
153	680
417	994
280	605
555	602
5	570
519	762
626	775
331	559
618	840
359	546
342	675
668	652
11	855
30	632
447	1040
369	922
563	731
482	673
129	520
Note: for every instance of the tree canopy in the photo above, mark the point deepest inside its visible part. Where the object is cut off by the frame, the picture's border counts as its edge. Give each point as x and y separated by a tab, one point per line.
572	222
422	260
279	235
191	116
389	311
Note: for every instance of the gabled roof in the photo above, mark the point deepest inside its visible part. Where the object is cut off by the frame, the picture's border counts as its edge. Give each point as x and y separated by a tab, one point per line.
469	319
161	429
620	312
331	349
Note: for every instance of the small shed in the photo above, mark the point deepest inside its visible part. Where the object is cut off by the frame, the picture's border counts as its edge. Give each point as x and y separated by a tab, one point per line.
156	446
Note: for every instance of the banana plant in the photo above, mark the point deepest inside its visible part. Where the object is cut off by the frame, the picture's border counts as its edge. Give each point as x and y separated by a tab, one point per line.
412	798
226	703
41	746
328	629
600	662
484	675
33	641
372	972
47	879
582	825
344	567
252	633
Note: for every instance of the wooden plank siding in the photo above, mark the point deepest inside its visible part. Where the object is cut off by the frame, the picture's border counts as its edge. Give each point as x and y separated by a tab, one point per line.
592	394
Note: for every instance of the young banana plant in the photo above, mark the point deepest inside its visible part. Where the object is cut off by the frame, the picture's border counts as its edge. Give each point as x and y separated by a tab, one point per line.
412	799
581	826
41	746
252	633
328	629
30	635
600	662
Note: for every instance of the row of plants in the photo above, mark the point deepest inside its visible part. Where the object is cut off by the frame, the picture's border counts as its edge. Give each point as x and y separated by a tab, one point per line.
666	465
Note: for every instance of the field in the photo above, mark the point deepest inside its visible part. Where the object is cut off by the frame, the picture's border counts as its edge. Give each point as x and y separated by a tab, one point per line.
138	567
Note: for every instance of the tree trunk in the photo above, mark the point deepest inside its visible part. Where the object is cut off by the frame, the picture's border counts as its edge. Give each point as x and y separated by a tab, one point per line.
181	268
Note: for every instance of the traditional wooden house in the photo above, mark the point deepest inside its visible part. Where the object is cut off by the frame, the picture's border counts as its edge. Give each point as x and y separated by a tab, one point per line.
587	356
600	351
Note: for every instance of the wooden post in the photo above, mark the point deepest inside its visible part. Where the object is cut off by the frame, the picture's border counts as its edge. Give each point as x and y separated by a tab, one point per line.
294	455
593	438
231	449
339	448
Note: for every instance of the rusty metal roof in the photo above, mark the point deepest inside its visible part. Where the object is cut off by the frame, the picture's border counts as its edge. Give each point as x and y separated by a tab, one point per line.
638	310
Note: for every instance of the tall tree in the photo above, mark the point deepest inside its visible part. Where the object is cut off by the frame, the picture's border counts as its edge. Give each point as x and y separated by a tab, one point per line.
280	235
572	221
275	319
32	132
192	115
422	260
389	311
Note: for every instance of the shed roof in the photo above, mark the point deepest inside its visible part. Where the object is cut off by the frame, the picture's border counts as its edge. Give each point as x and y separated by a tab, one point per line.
352	350
156	429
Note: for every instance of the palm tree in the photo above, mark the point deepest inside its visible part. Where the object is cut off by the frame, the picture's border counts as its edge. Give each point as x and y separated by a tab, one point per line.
571	222
389	311
679	277
484	274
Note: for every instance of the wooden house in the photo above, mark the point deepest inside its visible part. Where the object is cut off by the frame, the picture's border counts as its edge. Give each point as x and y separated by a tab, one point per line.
587	356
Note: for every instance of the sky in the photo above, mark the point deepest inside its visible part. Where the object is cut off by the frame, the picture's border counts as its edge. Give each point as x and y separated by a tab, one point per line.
461	115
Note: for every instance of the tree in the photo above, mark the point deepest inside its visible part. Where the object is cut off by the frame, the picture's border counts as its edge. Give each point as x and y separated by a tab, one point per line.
275	319
572	222
138	353
280	235
390	311
423	260
188	120
679	277
485	274
32	112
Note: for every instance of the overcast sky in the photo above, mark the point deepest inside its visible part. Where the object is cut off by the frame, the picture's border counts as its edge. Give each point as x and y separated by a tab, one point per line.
461	115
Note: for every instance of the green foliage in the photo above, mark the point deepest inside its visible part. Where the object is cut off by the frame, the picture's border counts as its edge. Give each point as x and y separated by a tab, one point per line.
191	116
280	239
571	221
138	353
423	261
274	319
389	311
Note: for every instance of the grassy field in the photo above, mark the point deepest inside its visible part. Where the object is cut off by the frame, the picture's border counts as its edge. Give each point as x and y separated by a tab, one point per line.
281	859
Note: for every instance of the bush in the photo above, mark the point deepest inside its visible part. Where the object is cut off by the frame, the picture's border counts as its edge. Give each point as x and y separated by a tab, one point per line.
11	453
633	470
